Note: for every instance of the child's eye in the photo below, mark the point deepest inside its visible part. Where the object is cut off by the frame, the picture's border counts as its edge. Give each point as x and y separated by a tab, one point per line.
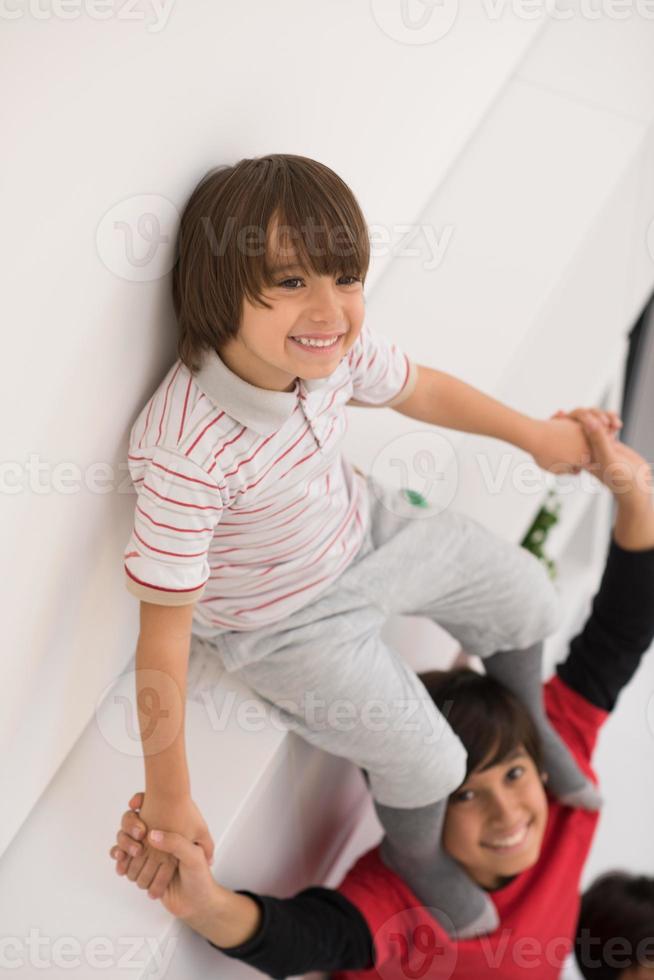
515	773
299	279
463	796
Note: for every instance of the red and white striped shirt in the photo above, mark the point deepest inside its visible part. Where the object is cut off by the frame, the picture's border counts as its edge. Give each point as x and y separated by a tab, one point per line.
245	504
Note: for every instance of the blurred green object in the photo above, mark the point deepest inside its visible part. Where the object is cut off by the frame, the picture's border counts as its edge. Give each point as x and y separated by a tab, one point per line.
416	498
535	538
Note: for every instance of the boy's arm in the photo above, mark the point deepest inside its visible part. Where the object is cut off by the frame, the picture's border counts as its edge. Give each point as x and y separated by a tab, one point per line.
161	668
162	656
317	929
441	399
606	654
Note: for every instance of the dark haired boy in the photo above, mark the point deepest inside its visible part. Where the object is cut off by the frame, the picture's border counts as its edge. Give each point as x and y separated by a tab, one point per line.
523	848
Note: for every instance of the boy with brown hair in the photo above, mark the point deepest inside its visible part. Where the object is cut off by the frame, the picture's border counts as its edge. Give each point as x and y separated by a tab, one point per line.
252	531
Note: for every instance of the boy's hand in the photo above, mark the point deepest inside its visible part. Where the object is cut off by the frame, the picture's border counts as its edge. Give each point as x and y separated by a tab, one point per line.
619	467
561	445
611	421
192	894
151	867
629	478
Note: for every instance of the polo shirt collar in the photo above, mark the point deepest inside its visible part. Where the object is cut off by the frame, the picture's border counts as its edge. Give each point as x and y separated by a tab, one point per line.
257	408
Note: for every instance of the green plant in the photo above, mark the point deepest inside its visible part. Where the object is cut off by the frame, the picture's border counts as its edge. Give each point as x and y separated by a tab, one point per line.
535	538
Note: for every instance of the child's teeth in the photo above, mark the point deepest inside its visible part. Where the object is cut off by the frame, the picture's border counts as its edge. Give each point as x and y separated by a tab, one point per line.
316	343
510	841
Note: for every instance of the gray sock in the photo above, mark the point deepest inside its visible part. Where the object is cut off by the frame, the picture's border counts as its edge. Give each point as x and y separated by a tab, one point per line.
412	849
521	672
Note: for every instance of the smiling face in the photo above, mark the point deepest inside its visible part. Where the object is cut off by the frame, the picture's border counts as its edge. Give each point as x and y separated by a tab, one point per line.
495	821
303	304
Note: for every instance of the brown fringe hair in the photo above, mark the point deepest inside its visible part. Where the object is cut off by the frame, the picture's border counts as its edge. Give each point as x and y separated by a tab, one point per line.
490	721
223	250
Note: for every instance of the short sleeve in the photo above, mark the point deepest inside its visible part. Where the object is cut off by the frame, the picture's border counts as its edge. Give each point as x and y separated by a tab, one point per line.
382	375
178	506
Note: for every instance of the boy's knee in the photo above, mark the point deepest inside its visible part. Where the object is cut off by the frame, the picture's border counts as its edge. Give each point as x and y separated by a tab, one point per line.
535	602
422	771
457	765
444	769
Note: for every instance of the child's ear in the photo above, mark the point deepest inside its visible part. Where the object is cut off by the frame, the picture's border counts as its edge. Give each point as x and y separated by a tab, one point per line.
544	777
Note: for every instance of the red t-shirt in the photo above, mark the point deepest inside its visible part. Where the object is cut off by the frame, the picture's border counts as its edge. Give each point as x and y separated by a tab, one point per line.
538	910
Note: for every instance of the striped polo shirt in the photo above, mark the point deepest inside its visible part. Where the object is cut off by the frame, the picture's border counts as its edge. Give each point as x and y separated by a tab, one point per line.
245	504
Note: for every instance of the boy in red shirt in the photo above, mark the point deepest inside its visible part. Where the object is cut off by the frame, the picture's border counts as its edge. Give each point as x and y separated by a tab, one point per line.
525	849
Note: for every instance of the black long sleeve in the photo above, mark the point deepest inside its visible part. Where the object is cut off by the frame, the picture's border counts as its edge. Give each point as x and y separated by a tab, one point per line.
317	929
605	655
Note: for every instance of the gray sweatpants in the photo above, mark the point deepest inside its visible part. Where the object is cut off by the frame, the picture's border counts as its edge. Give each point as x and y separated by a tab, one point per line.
338	685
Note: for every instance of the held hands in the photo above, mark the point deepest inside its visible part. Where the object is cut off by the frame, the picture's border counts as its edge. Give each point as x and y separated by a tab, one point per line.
224	917
191	889
154	865
619	467
629	478
560	444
